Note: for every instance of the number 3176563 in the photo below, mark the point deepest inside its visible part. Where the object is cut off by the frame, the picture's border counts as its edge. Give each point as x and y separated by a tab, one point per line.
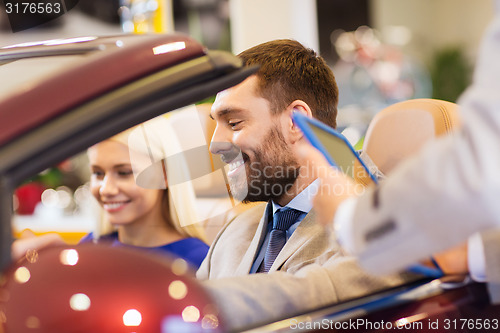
33	7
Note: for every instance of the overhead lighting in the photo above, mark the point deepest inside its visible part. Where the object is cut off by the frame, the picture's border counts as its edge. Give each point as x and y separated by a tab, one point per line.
169	47
69	257
191	314
70	40
177	290
52	42
22	275
79	302
132	317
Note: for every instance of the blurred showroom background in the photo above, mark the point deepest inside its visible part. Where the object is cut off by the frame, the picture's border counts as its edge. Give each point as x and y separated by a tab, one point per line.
413	40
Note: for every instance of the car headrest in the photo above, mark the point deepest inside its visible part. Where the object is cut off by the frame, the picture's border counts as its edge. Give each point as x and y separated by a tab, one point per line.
401	129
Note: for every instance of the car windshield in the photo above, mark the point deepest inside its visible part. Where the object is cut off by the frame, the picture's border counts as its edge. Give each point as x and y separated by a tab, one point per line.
59	199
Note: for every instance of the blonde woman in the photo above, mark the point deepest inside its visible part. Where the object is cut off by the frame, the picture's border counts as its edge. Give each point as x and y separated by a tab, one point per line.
158	218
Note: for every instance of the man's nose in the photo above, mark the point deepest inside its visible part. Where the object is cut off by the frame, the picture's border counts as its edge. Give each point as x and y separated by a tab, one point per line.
227	150
221	141
220	148
222	144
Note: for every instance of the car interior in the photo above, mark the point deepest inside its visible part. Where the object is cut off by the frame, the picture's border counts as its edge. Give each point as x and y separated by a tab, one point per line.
395	134
398	131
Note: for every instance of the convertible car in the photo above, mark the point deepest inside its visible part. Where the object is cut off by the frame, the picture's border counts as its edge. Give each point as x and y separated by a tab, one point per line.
57	98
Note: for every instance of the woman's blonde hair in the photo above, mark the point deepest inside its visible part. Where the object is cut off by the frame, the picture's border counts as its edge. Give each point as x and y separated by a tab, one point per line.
157	160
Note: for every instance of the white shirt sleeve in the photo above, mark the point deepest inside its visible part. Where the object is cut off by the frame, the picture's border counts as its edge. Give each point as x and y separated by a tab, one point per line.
343	226
475	258
446	193
343	230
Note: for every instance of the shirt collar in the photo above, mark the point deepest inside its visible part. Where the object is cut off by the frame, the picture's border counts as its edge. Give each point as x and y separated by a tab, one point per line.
303	200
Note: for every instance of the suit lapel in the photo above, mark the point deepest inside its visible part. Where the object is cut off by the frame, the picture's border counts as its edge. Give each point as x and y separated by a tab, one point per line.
249	256
307	229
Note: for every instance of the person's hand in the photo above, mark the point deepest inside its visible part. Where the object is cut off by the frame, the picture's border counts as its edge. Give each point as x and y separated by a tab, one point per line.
30	242
454	260
335	186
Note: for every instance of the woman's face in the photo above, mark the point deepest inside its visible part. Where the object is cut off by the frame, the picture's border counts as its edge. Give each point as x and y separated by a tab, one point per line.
112	184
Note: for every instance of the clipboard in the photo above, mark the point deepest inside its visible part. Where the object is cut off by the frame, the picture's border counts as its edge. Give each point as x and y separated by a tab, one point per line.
332	144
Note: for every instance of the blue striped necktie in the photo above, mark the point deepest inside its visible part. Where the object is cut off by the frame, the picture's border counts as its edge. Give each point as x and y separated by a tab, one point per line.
282	220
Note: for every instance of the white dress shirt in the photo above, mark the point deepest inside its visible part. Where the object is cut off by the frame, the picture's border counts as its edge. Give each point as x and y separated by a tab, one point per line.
303	203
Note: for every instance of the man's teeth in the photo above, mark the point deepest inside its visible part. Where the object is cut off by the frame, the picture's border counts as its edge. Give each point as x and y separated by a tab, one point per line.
236	164
114	205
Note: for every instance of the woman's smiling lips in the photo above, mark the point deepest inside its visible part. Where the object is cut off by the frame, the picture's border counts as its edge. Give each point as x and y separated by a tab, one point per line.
114	206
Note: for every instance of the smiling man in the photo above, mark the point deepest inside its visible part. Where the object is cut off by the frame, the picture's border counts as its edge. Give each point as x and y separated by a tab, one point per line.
255	135
251	138
254	123
301	265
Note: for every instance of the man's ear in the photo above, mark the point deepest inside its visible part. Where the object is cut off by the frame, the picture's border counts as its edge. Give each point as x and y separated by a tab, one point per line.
303	108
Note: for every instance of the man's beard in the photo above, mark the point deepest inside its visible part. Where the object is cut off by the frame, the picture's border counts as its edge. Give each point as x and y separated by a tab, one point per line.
271	174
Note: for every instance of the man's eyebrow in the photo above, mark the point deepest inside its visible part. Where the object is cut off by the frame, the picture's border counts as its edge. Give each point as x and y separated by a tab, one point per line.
224	112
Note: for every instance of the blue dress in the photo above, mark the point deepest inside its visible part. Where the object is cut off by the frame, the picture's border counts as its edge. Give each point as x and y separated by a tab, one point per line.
193	250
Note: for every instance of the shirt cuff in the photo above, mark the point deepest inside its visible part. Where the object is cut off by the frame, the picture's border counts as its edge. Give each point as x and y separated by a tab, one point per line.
475	258
342	224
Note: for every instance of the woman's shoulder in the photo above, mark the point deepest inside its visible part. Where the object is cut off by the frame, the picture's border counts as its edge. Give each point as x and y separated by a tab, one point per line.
90	238
193	241
190	249
189	245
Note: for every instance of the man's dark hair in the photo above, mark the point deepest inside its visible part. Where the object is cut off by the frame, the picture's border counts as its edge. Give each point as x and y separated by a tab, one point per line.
289	71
